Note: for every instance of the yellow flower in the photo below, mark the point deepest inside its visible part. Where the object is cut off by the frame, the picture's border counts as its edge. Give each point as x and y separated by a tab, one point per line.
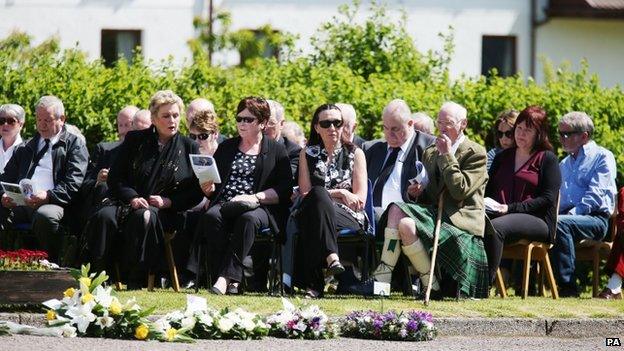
51	315
69	292
141	332
86	298
115	307
85	283
171	334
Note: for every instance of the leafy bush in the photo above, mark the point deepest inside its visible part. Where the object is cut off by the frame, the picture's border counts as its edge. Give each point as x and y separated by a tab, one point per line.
365	64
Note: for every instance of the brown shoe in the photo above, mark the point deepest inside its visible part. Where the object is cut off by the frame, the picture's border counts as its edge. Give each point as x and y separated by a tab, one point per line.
607	294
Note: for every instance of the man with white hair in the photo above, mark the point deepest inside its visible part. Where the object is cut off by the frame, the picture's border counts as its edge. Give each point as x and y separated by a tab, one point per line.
456	169
273	130
12	119
587	195
56	162
349	124
423	123
142	120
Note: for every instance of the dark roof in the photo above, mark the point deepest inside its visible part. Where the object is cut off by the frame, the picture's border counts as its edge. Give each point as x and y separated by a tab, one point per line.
586	8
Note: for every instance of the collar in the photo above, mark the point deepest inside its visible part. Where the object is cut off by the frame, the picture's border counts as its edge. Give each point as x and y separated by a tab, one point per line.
457	142
55	139
586	150
405	147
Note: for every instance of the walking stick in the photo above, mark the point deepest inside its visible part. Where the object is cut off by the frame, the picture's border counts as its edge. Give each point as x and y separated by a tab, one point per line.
436	237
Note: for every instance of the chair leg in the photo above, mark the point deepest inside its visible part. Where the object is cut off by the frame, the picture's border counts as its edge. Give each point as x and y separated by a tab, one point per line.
500	284
173	272
596	273
526	270
551	277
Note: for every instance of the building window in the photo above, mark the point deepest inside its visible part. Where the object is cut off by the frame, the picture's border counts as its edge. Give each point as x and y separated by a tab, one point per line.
498	52
116	43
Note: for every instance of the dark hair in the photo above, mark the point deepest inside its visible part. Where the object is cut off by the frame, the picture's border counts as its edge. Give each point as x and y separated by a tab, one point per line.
315	138
508	117
535	117
258	107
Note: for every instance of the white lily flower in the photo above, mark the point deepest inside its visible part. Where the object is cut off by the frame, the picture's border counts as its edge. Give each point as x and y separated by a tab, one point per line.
103	296
68	331
105	321
206	320
81	316
225	325
131	305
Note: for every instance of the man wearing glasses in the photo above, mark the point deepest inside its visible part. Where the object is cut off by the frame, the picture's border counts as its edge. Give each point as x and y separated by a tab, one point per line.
587	196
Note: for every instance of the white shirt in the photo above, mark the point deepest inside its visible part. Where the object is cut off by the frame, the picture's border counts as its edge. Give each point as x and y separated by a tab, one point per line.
392	189
43	178
5	155
455	145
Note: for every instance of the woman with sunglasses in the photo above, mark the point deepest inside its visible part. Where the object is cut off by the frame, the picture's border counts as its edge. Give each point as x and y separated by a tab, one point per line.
503	134
332	181
255	171
525	182
205	131
11	122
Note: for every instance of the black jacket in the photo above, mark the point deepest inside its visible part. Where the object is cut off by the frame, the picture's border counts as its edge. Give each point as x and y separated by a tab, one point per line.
131	175
69	165
293	151
376	155
272	172
102	157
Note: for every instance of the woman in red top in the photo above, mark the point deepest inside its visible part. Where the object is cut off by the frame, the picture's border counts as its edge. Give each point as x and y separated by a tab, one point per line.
525	182
615	263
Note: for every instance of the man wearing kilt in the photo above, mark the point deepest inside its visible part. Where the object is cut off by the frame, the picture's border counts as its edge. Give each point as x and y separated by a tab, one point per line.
456	168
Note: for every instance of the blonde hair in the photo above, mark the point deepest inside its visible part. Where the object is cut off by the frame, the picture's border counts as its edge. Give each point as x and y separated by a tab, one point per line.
163	97
205	121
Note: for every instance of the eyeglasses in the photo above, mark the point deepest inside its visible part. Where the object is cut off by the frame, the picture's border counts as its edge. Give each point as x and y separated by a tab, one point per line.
247	120
447	124
337	123
200	136
509	134
9	121
566	135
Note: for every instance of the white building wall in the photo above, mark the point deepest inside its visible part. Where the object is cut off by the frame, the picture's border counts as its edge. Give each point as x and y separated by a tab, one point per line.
165	25
601	42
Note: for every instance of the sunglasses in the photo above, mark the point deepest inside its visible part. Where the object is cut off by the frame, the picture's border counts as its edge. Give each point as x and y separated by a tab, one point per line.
509	134
247	120
9	121
566	135
337	123
200	136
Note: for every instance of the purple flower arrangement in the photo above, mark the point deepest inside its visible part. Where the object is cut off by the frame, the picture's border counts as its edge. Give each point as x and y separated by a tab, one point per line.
305	322
404	326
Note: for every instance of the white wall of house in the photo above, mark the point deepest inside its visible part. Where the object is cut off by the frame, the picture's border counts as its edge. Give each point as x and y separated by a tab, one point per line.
166	25
601	42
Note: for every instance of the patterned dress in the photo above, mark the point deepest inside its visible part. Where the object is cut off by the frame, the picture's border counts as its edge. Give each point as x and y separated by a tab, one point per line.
241	180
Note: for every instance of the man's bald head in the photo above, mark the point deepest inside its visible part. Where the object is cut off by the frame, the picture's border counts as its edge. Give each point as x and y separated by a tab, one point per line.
124	120
199	104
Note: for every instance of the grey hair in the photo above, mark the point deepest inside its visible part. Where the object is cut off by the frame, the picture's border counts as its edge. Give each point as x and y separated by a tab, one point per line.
398	107
163	97
277	110
579	121
348	111
425	120
13	110
51	101
454	109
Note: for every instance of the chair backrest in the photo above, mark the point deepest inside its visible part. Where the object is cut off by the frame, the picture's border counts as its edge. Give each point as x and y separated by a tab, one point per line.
368	207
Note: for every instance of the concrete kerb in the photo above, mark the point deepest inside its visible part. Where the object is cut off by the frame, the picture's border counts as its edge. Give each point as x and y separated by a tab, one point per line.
535	327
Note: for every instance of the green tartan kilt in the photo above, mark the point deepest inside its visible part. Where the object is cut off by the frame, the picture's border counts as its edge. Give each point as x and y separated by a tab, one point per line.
460	254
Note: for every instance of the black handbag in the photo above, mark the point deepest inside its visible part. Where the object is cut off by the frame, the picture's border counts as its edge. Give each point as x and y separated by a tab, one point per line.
233	209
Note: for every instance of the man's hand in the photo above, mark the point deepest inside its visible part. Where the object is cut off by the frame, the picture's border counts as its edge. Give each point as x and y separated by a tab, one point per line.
414	190
139	202
208	188
159	201
102	176
7	202
37	199
443	144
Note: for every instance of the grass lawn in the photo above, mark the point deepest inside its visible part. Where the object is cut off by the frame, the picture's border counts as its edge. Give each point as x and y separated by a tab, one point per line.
533	307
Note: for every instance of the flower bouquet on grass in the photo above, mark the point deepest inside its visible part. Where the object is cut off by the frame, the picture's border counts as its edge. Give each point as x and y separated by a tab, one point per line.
404	326
203	322
91	310
25	260
306	322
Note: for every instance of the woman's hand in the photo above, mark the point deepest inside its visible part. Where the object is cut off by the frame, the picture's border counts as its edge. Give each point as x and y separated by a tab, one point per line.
7	202
208	188
139	202
159	201
212	144
246	198
414	190
503	209
352	201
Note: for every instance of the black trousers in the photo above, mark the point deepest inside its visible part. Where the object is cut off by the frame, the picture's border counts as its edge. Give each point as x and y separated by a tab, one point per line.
511	228
228	241
320	219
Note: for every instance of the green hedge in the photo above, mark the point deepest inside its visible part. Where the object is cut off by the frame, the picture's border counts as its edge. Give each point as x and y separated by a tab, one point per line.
93	93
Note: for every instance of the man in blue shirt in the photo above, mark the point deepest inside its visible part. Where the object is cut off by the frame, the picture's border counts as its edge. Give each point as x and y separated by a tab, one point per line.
587	195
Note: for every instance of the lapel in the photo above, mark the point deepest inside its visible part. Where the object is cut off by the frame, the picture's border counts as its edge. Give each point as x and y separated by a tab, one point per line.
376	166
259	175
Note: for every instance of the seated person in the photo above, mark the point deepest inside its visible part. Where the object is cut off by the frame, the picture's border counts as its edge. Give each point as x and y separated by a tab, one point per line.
332	181
587	196
525	181
12	118
503	134
56	161
615	262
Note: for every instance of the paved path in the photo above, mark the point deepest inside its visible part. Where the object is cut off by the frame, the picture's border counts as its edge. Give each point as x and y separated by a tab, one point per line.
31	343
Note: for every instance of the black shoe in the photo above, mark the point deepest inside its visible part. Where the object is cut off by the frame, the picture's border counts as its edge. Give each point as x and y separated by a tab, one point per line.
233	289
568	290
215	291
335	268
366	288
